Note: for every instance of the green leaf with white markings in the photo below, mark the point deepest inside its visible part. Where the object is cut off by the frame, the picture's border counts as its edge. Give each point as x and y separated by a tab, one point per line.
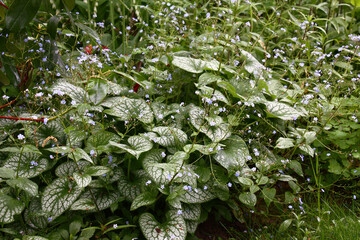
104	198
68	168
9	207
191	211
24	184
143	199
82	180
213	127
234	155
284	143
137	145
282	111
195	65
173	228
197	195
97	170
27	165
127	109
59	196
7	173
169	136
75	93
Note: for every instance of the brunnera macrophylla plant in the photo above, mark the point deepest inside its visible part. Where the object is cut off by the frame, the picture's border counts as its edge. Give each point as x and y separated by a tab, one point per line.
148	138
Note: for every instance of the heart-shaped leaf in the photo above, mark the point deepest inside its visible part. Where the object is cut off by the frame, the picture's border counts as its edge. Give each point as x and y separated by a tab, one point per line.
27	165
9	207
24	184
195	65
213	127
191	211
173	228
282	111
143	199
137	145
62	87
169	136
59	196
127	109
68	168
234	155
248	198
82	180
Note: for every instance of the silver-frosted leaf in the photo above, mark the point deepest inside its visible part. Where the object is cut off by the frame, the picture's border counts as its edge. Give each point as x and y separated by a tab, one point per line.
51	129
210	93
234	154
284	143
169	136
84	204
252	65
59	196
99	141
97	170
137	145
191	226
76	154
28	165
7	173
129	190
207	78
127	109
82	180
103	197
195	65
75	93
68	168
211	148
34	216
143	199
26	237
197	195
9	207
24	184
213	127
191	211
162	110
282	111
173	228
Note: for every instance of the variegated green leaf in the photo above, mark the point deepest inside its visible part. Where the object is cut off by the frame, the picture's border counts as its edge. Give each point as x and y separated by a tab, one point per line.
103	197
75	154
129	189
284	143
84	204
9	207
24	184
234	154
191	226
137	145
62	87
162	110
34	216
97	170
51	129
197	195
68	168
143	199
169	136
282	111
127	109
215	95
213	127
59	196
7	173
211	148
191	211
99	141
252	65
173	228
27	165
82	180
195	65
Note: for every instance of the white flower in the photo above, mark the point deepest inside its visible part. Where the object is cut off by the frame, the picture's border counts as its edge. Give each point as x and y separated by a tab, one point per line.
21	137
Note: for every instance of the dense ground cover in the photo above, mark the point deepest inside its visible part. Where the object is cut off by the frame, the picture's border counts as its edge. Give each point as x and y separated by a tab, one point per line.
172	119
